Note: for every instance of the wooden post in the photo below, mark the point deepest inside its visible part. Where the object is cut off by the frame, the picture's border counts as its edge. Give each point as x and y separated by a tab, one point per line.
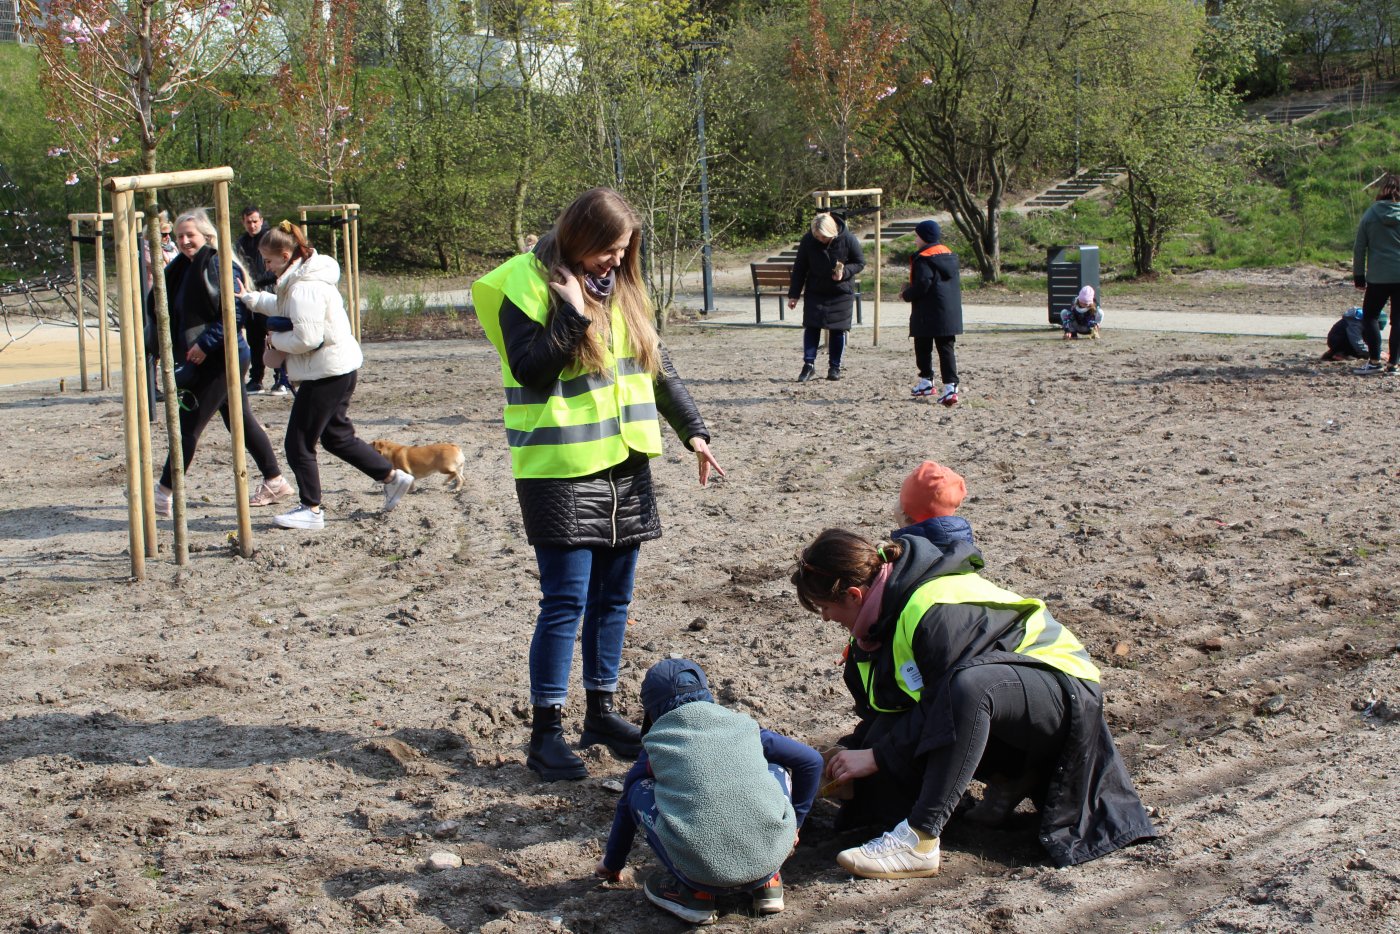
232	374
78	281
876	325
103	352
143	393
135	513
353	252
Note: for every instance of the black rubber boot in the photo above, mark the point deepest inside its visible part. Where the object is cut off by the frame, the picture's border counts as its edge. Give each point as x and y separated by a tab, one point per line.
549	755
833	372
602	724
806	374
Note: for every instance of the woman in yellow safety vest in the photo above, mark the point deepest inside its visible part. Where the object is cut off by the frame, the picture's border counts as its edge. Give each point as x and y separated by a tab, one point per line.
585	379
955	678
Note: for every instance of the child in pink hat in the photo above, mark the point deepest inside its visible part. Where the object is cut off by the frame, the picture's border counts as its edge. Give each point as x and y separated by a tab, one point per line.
1083	317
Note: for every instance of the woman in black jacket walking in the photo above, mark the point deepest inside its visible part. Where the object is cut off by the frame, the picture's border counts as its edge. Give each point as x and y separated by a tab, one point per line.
197	342
828	260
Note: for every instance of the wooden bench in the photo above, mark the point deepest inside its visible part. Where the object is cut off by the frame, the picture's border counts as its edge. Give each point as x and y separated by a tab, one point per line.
774	278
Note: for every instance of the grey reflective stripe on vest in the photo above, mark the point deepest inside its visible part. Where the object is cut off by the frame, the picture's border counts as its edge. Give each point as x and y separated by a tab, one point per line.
563	389
628	366
567	434
639	412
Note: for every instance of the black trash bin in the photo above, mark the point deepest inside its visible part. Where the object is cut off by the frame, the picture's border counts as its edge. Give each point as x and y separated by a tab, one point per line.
1066	276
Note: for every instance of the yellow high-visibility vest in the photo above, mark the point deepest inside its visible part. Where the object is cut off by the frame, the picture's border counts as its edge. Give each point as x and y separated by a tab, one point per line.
586	421
1045	639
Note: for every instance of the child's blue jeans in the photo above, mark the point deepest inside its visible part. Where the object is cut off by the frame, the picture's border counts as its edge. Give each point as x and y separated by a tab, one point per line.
641	800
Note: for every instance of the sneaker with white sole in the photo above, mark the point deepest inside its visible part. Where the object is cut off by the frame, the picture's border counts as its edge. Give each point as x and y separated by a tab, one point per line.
272	491
303	517
924	387
1370	368
668	893
949	395
165	502
395	487
768	898
898	854
280	389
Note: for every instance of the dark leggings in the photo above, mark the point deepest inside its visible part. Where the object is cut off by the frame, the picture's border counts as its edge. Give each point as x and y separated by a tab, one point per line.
947	358
208	395
1377	294
321	414
1009	720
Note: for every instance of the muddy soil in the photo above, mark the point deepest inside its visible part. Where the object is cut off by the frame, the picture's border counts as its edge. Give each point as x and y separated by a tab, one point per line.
279	744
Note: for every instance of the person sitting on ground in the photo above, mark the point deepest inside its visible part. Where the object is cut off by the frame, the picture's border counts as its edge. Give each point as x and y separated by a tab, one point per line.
927	500
1345	340
721	799
1082	317
955	678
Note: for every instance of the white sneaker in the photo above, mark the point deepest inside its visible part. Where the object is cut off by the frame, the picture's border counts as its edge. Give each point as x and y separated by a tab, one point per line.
303	517
899	854
949	395
924	387
395	487
165	502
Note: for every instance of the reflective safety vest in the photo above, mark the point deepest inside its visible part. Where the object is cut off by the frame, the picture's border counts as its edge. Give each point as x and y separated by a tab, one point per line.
585	421
1045	639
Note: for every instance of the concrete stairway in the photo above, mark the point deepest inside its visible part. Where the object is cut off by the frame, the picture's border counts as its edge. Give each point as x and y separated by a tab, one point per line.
1071	190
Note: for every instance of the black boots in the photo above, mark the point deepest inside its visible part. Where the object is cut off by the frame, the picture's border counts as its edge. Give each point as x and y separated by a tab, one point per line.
602	724
833	372
550	755
807	372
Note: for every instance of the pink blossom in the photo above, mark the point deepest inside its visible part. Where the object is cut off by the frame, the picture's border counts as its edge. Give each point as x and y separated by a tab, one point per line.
73	25
102	29
57	151
927	80
72	179
885	93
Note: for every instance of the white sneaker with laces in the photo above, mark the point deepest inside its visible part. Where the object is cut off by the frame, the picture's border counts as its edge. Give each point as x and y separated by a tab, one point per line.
395	487
899	854
924	387
949	395
303	517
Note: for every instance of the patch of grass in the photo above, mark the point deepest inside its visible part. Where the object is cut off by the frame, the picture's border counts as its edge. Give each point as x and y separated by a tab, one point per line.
1294	337
153	872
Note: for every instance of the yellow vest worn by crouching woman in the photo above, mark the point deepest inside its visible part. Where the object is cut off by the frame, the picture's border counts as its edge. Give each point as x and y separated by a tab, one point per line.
585	421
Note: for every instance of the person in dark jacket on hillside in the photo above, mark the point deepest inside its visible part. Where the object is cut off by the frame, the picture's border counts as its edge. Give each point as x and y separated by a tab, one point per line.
934	294
197	343
955	678
1344	340
828	261
1375	268
585	379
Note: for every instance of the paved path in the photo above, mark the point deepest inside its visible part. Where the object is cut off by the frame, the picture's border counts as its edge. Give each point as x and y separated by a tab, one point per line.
733	311
50	352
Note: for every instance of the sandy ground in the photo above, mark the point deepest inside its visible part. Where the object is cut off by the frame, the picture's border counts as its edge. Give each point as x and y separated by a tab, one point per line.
278	744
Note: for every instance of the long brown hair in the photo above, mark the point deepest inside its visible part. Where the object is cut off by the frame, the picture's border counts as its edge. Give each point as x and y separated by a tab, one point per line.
286	237
838	559
1390	188
596	220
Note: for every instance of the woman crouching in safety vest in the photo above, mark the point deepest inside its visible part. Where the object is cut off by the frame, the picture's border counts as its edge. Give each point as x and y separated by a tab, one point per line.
585	378
955	679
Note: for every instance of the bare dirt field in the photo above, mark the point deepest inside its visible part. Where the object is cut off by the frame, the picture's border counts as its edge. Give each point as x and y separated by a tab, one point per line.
279	744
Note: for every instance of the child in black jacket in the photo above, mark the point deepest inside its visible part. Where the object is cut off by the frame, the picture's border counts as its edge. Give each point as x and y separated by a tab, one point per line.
935	315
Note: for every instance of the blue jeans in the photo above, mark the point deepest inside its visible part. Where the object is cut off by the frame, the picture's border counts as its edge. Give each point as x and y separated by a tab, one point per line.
835	349
592	584
641	801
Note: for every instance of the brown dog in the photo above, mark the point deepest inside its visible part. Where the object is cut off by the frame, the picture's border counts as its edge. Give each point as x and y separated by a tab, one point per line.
425	459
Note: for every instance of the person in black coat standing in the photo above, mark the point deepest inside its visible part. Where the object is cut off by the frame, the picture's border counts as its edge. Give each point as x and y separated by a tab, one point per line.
935	314
263	281
828	260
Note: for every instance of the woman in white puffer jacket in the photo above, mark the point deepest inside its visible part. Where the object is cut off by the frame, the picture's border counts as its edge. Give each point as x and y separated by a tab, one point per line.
323	356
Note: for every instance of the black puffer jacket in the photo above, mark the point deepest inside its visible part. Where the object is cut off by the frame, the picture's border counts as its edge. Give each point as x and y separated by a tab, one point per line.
830	303
934	293
196	312
1090	807
615	507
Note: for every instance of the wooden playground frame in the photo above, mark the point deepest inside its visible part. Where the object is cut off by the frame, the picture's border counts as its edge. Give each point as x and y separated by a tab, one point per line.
96	238
823	199
140	483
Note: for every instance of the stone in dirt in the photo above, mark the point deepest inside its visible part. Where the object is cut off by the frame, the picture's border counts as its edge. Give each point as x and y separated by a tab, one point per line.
439	862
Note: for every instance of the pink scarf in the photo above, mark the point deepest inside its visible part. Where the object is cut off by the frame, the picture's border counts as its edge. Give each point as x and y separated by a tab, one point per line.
870	610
